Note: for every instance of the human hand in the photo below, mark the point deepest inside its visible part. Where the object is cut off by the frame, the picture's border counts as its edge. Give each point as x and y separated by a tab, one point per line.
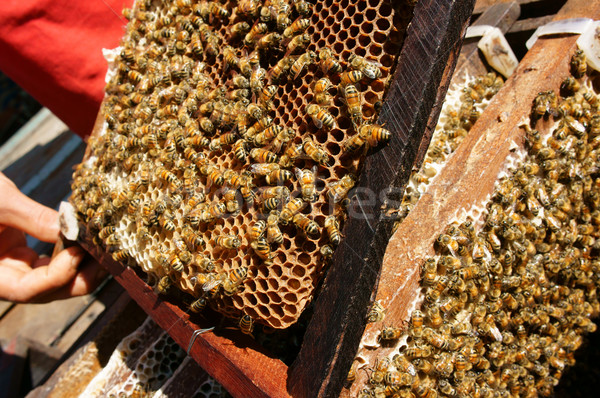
26	277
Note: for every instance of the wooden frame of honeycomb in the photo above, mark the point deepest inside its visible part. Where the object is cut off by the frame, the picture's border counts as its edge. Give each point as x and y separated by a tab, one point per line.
542	283
254	300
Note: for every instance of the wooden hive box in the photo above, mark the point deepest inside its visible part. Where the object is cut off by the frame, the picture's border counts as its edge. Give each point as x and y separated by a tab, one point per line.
409	110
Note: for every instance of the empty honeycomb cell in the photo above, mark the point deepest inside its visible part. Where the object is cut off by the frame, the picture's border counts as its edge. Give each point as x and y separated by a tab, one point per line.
329	20
263	298
278	310
380	37
342	34
359	17
376	50
346	23
290	298
333	148
378	86
264	311
299	270
294	284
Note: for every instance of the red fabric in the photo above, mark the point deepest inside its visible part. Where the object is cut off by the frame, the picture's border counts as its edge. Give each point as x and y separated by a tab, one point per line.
53	49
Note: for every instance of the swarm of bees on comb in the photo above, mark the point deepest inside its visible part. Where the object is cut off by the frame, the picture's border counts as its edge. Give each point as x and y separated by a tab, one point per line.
505	308
233	132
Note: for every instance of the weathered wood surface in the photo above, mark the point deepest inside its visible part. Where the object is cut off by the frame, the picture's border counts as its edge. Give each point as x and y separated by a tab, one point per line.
334	332
470	173
242	367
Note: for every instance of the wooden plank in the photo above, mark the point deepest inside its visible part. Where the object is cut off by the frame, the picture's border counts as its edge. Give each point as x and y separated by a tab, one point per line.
243	368
87	357
530	24
470	174
432	41
5	306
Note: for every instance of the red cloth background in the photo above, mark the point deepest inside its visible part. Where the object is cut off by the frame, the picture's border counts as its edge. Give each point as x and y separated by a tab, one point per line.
53	49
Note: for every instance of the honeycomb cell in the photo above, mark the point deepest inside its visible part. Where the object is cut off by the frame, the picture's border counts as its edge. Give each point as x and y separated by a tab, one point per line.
290	298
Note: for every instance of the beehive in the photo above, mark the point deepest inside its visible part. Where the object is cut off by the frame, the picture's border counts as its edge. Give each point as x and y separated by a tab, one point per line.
512	287
172	79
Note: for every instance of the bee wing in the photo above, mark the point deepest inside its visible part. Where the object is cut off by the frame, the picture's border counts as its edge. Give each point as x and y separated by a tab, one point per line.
211	284
318	123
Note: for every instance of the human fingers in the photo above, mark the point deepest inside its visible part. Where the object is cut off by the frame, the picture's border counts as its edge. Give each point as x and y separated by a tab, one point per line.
11	238
88	278
44	279
19	211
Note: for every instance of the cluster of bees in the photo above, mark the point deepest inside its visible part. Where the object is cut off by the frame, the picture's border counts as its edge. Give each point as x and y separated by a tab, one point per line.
505	308
454	125
200	175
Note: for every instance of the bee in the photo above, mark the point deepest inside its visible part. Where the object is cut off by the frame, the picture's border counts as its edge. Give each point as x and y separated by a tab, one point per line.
261	155
353	100
248	8
327	252
164	284
212	285
106	232
255	32
194	241
338	190
296	28
274	234
121	255
302	7
321	117
390	333
350	77
307	179
333	232
216	210
257	230
281	69
198	305
267	134
240	150
321	88
315	151
266	95
281	138
169	177
578	64
302	62
264	169
328	62
308	226
376	313
165	220
353	143
239	29
291	153
278	177
268	41
246	324
370	69
298	42
374	134
246	64
261	248
290	209
174	263
234	279
570	84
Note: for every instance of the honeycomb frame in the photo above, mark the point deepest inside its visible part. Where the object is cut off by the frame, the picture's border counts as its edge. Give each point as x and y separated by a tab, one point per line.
273	293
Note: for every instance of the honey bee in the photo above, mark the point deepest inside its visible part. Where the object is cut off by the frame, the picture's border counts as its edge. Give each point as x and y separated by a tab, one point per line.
240	150
328	62
338	190
308	226
333	232
302	62
234	279
578	64
315	151
164	284
239	29
255	32
212	285
321	117
292	153
570	84
268	41
215	210
374	134
246	324
281	69
263	156
307	179
248	8
266	95
278	177
264	169
350	77
353	101
296	28
257	230
390	333
174	263
376	313
290	209
198	305
274	234
261	248
298	42
370	69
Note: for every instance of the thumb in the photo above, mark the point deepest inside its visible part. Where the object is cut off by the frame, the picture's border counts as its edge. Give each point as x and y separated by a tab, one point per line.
20	212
